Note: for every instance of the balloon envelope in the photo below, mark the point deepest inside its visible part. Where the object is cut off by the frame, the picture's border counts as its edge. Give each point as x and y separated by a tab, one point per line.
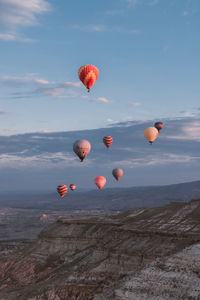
88	74
117	173
72	186
158	125
100	181
82	148
108	140
43	217
151	133
62	189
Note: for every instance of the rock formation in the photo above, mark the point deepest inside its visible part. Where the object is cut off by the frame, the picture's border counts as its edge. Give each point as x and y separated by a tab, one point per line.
151	253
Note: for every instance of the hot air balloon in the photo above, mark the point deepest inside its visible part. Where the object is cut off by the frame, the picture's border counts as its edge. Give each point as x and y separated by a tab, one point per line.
100	181
44	217
158	125
88	74
62	189
72	186
151	133
117	173
82	148
108	140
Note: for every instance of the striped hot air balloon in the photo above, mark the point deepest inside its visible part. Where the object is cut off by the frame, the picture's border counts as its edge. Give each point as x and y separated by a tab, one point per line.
62	189
88	74
108	140
72	187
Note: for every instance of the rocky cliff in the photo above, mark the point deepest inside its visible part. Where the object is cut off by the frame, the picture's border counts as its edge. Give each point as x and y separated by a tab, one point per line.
151	253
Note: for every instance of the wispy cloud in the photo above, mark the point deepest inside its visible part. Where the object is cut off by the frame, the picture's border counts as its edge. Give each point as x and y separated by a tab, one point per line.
60	92
134	104
189	131
110	120
102	99
29	78
20	13
157	160
189	9
114	12
73	84
8	131
46	159
42	81
4	112
134	3
63	90
33	85
10	37
103	28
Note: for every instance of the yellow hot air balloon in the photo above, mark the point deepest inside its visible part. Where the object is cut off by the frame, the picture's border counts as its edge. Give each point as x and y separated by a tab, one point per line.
151	133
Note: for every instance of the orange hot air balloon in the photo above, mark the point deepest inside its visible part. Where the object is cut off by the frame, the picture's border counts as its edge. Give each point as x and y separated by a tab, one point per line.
72	186
151	133
117	173
62	189
100	181
88	74
108	140
82	148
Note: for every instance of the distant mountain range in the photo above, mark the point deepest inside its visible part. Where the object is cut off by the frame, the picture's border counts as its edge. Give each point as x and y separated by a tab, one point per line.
108	199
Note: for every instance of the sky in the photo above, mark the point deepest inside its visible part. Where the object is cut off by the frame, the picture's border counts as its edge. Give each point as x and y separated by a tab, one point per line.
38	162
147	53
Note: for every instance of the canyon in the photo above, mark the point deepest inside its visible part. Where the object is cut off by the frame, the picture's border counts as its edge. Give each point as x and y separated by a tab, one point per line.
145	253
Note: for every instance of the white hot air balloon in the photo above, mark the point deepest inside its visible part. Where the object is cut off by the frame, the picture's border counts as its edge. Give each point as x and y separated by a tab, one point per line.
82	148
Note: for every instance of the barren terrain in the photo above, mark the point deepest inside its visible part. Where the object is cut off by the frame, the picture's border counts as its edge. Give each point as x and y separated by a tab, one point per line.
151	253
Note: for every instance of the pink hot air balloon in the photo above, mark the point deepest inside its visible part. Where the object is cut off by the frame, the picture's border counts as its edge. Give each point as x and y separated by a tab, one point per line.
82	148
43	217
117	173
100	181
72	186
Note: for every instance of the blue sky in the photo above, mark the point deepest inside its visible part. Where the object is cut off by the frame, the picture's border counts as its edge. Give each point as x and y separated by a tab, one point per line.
147	52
